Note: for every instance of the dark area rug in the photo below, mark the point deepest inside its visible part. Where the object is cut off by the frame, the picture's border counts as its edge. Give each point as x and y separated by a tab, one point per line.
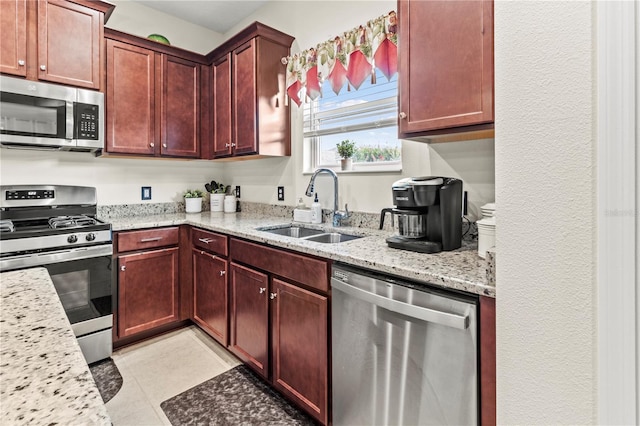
107	377
235	397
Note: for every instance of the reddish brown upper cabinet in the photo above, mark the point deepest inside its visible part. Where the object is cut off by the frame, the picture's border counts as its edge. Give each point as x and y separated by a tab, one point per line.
153	98
445	69
54	40
250	115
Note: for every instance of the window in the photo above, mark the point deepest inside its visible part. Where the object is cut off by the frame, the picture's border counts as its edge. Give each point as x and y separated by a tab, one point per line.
367	116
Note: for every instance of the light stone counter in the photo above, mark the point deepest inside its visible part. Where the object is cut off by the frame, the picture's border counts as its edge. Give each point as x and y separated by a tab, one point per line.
44	379
460	269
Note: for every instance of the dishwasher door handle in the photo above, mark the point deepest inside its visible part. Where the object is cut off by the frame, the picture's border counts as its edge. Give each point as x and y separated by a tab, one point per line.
460	322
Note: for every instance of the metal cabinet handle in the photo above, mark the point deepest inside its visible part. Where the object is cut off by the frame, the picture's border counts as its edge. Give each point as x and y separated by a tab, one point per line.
152	144
43	67
21	62
233	144
123	268
262	290
205	240
273	295
226	145
222	273
148	240
164	145
402	115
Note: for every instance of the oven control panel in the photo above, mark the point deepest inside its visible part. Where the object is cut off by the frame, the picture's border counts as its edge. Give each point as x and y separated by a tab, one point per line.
30	194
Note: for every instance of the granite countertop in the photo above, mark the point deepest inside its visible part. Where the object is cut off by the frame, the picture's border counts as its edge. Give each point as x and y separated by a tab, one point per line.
44	378
461	269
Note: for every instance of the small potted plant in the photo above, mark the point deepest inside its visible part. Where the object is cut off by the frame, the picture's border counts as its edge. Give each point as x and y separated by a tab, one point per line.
346	149
193	200
217	191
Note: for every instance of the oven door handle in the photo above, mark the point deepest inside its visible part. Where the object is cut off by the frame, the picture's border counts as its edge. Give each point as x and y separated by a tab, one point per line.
41	259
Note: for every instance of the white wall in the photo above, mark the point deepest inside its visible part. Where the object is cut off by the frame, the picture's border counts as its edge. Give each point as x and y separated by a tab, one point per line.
545	196
311	22
134	18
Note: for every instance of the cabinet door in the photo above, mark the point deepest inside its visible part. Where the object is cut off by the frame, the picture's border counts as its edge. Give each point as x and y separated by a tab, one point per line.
446	64
222	107
69	38
13	37
180	107
244	92
147	290
299	348
250	318
130	99
210	294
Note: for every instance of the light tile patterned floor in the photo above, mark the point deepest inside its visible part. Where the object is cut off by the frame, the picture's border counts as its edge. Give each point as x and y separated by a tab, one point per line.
158	369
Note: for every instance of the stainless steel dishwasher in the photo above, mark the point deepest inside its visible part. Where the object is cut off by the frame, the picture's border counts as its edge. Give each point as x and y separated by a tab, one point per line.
402	353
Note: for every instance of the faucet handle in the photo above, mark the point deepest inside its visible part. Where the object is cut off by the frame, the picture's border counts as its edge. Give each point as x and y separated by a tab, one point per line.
347	213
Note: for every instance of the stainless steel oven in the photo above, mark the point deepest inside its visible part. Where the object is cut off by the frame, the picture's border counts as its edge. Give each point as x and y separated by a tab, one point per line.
55	227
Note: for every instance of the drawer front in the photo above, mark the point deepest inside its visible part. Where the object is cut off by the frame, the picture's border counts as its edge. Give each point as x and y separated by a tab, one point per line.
147	239
306	270
209	241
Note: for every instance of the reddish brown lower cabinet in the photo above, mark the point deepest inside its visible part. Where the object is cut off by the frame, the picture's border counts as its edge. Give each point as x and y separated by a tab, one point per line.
299	346
147	290
210	294
250	317
487	361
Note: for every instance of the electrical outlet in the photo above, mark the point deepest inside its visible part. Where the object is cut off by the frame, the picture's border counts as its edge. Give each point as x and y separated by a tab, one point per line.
146	193
237	191
281	193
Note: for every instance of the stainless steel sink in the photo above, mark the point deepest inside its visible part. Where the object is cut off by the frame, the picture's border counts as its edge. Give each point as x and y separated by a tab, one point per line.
310	234
293	231
332	237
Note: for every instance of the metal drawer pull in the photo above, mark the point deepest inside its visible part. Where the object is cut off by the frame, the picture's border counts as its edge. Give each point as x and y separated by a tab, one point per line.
149	240
273	295
262	290
205	240
21	62
224	272
123	268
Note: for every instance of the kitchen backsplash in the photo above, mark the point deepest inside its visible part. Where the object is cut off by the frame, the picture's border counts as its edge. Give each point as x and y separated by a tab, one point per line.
357	219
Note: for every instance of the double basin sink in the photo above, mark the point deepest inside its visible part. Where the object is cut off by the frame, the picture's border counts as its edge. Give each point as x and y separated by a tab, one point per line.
310	234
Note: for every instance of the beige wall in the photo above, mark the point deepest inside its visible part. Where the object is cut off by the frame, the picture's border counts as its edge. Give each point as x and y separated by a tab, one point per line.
545	196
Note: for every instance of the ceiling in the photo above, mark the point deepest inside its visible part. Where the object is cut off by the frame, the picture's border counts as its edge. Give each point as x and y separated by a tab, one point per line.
217	15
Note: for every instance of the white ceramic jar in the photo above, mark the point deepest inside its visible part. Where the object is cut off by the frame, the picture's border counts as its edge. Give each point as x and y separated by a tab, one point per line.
230	204
193	205
217	202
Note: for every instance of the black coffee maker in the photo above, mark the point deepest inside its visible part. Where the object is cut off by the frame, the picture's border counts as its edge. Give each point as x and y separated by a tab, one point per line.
429	214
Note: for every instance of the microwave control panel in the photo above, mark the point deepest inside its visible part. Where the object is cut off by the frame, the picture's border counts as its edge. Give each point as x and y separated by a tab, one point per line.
87	119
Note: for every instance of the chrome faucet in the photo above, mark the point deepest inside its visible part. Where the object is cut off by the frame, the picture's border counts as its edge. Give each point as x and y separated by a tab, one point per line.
338	215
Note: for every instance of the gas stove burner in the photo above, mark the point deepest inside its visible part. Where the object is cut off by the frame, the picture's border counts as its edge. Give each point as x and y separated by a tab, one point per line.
71	222
6	226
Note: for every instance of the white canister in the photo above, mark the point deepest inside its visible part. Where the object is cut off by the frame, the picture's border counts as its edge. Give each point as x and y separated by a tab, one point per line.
230	204
193	205
217	202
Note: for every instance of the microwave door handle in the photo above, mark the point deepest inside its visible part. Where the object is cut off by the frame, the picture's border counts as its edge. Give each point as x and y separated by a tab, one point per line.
70	118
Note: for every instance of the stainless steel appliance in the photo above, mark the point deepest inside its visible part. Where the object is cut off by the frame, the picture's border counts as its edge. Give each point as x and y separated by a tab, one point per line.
429	214
55	227
45	116
402	353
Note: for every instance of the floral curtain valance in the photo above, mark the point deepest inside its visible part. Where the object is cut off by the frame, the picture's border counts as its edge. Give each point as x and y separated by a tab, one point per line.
351	57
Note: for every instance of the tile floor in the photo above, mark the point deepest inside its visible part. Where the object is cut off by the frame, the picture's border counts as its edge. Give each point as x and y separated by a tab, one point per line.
158	369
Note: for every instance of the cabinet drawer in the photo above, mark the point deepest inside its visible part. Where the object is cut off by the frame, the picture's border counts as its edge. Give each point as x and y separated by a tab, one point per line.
148	238
209	241
305	270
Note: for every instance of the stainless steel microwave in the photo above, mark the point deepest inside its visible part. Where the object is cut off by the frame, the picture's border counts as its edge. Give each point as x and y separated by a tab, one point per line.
35	115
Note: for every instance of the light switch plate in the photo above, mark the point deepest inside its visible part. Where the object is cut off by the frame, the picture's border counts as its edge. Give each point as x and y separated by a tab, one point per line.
146	193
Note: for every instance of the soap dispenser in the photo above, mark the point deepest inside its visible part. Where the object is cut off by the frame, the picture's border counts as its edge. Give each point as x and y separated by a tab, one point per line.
316	211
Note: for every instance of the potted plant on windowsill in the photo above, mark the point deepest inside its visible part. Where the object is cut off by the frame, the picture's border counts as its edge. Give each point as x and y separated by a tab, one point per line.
193	200
217	191
346	149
